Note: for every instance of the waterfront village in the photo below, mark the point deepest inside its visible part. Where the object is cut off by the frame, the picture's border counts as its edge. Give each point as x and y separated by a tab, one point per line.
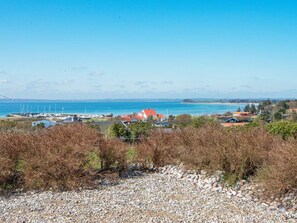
238	118
228	119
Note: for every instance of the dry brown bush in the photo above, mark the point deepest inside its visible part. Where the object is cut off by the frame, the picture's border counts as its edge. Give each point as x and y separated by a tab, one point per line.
237	151
10	152
69	157
159	148
280	174
57	158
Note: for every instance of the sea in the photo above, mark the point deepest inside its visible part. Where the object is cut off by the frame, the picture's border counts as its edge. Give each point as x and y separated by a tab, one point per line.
120	107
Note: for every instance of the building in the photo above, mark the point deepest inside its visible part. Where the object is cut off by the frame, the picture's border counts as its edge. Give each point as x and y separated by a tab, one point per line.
143	116
148	113
230	124
242	114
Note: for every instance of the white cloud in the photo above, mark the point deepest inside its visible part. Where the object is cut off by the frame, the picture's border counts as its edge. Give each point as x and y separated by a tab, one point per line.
3	81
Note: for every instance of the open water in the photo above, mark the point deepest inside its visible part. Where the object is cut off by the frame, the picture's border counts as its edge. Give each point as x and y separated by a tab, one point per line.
174	107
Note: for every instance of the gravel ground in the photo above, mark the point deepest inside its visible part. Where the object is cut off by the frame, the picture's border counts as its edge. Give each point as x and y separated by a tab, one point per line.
150	198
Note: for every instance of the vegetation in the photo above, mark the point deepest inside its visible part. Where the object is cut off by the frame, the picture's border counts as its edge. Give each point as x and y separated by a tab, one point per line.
284	129
277	111
130	133
62	157
186	120
250	108
73	156
183	120
239	152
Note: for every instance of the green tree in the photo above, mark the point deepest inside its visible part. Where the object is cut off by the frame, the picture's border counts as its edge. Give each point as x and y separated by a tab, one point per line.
285	129
283	104
183	120
118	130
264	104
247	108
253	109
228	113
139	129
265	115
279	114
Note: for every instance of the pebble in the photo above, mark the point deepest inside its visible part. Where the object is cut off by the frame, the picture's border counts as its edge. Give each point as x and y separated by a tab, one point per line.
143	197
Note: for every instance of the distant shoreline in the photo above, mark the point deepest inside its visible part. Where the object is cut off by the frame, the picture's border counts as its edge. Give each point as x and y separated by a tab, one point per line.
218	103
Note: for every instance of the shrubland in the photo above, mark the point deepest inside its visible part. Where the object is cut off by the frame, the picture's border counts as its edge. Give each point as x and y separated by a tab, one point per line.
68	157
62	157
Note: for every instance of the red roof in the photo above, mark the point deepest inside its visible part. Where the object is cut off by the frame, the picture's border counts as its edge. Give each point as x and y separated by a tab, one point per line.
139	117
150	112
234	124
241	113
131	117
126	118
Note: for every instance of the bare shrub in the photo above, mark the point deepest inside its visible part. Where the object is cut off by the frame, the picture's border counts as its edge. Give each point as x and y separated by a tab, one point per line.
237	151
159	148
112	153
57	157
11	150
72	156
280	173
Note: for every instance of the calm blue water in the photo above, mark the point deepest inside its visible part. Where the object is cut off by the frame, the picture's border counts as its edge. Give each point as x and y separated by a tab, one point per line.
115	107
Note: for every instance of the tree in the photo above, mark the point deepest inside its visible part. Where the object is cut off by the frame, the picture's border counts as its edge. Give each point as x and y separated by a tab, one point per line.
253	109
247	108
131	133
264	104
118	130
228	113
279	114
183	120
239	109
285	129
265	115
139	129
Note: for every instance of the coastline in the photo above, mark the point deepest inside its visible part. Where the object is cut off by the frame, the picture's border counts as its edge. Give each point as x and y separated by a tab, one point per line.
117	108
218	103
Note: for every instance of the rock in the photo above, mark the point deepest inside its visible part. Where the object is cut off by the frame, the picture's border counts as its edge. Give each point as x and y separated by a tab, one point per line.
203	172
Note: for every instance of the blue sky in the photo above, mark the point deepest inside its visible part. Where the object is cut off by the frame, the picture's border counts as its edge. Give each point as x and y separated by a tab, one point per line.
148	49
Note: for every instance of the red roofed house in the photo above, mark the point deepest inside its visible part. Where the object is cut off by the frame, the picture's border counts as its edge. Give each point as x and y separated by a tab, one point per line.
128	118
242	114
150	113
234	124
132	117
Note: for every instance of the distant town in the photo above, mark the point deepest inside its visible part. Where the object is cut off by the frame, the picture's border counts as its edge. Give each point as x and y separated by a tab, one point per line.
265	110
